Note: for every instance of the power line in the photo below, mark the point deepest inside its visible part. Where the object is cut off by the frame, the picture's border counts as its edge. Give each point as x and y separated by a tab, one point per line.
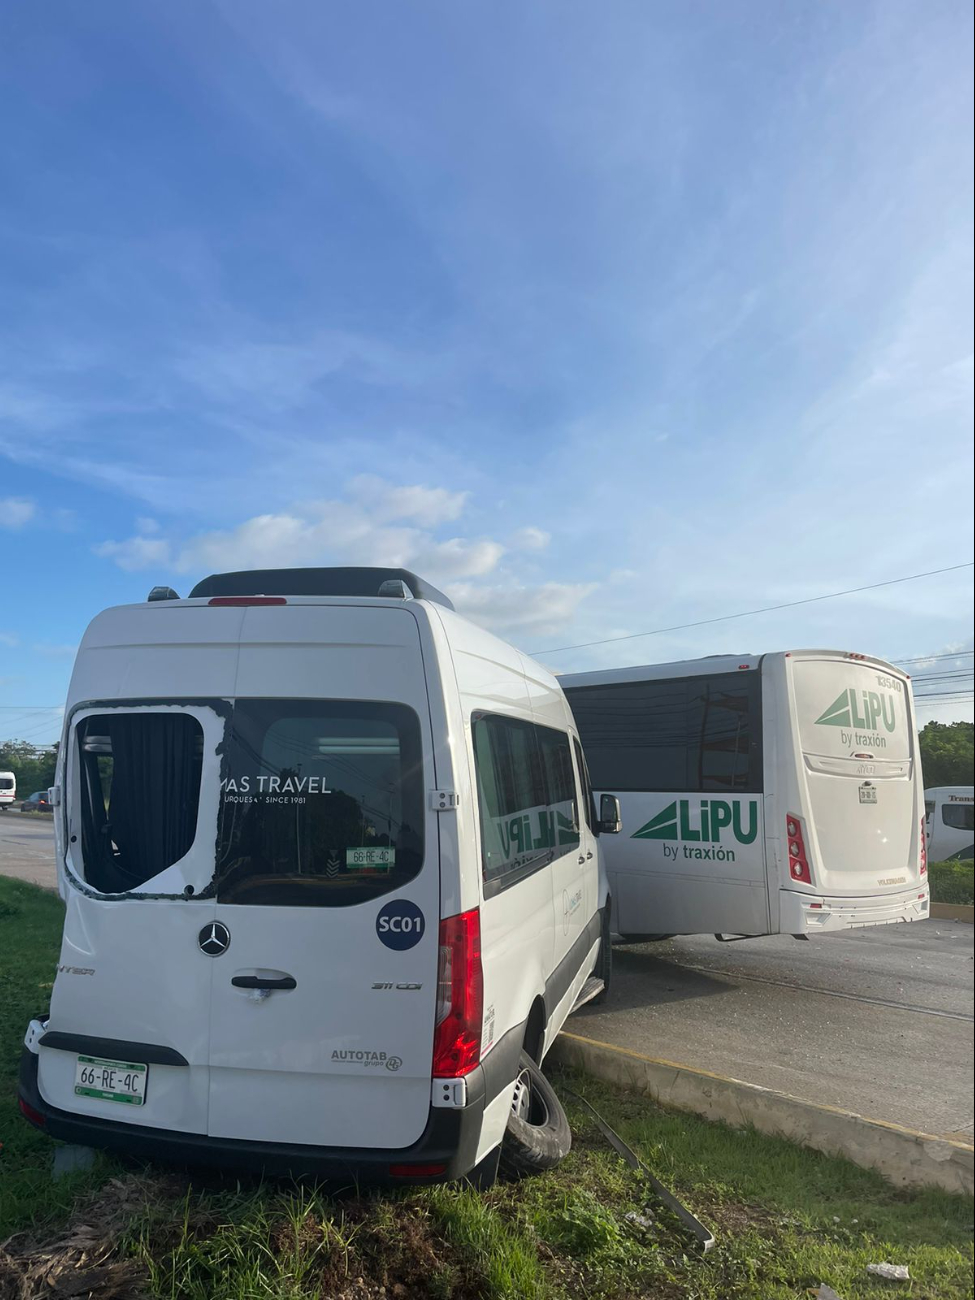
926	659
749	613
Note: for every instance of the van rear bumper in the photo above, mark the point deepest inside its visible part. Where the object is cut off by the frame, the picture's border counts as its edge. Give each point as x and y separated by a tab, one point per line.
450	1139
801	913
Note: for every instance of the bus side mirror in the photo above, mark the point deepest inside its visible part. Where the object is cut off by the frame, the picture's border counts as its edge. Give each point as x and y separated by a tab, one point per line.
610	817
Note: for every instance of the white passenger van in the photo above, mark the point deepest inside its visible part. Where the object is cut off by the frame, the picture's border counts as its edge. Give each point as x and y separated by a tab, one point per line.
331	869
8	790
949	816
761	794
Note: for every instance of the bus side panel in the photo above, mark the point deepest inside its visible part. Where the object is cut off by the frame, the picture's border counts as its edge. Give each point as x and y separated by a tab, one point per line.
689	864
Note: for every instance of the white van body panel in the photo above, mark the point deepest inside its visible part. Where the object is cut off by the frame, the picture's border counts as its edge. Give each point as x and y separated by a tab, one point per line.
717	861
339	1055
949	822
527	930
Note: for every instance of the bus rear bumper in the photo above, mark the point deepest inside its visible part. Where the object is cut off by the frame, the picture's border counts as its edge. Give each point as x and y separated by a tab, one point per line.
801	913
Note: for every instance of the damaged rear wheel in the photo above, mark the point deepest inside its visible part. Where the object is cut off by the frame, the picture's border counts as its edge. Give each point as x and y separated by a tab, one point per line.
537	1136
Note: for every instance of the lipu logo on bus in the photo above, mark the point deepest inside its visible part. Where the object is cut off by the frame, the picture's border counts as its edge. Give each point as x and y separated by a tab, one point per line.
866	710
702	823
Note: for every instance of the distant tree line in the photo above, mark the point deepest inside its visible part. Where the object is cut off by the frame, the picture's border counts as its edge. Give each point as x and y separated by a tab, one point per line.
33	767
948	753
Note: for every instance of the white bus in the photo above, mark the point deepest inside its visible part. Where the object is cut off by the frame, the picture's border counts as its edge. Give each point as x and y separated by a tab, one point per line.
761	794
949	818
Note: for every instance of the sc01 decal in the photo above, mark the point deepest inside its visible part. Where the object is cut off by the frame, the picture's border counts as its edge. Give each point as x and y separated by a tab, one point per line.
400	924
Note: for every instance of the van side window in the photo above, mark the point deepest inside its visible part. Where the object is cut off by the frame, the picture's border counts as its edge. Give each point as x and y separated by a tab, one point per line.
140	793
321	803
959	816
527	801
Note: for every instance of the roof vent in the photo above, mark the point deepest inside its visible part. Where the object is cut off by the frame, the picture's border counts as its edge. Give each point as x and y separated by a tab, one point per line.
163	593
395	589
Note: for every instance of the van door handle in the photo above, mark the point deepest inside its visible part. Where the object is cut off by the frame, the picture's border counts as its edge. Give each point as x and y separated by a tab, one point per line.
259	982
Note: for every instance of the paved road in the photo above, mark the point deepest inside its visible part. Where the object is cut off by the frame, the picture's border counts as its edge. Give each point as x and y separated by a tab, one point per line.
27	848
878	1021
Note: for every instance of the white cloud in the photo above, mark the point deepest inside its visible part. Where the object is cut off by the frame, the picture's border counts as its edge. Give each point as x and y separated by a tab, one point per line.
16	511
9	639
529	539
136	553
518	611
55	651
424	505
146	526
377	524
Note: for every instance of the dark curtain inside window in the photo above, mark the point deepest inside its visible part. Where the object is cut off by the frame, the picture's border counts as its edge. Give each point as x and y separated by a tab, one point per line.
152	799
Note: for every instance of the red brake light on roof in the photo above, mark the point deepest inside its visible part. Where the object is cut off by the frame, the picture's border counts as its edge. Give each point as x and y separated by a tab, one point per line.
460	997
248	600
798	861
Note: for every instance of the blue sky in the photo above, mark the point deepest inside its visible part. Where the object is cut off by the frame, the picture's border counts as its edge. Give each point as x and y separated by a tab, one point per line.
605	317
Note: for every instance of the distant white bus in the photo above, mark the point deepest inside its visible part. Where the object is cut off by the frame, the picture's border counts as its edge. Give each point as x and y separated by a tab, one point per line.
761	794
949	819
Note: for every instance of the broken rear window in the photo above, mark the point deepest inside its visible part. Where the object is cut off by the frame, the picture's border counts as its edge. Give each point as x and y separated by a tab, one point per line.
140	795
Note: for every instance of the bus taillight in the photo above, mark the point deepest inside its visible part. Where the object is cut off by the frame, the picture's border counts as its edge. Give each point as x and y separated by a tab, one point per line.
798	862
924	849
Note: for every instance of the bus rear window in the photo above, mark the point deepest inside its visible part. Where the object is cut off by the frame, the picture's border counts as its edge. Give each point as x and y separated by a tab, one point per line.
321	803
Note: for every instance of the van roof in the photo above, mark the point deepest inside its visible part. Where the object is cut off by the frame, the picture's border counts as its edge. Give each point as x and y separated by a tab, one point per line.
342	581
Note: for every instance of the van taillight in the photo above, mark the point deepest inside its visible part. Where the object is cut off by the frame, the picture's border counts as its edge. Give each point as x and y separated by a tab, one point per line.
416	1171
460	997
798	862
28	1112
924	849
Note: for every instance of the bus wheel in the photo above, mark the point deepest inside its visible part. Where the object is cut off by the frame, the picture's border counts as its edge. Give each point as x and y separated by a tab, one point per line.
537	1136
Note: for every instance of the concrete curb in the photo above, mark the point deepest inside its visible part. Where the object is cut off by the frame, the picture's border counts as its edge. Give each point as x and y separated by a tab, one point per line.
903	1155
952	912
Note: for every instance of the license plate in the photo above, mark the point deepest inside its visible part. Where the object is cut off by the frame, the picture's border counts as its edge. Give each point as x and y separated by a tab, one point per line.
370	859
868	794
110	1080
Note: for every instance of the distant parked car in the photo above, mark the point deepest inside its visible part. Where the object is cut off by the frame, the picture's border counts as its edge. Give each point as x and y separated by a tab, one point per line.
37	802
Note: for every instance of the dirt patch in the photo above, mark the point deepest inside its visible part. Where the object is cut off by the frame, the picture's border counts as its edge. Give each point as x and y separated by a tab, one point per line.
346	1249
82	1262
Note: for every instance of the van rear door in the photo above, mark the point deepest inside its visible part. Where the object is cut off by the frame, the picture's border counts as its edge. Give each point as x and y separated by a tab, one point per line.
858	765
139	829
323	1000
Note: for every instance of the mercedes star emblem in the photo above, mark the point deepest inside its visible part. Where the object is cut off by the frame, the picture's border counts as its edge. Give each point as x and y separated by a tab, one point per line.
214	939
